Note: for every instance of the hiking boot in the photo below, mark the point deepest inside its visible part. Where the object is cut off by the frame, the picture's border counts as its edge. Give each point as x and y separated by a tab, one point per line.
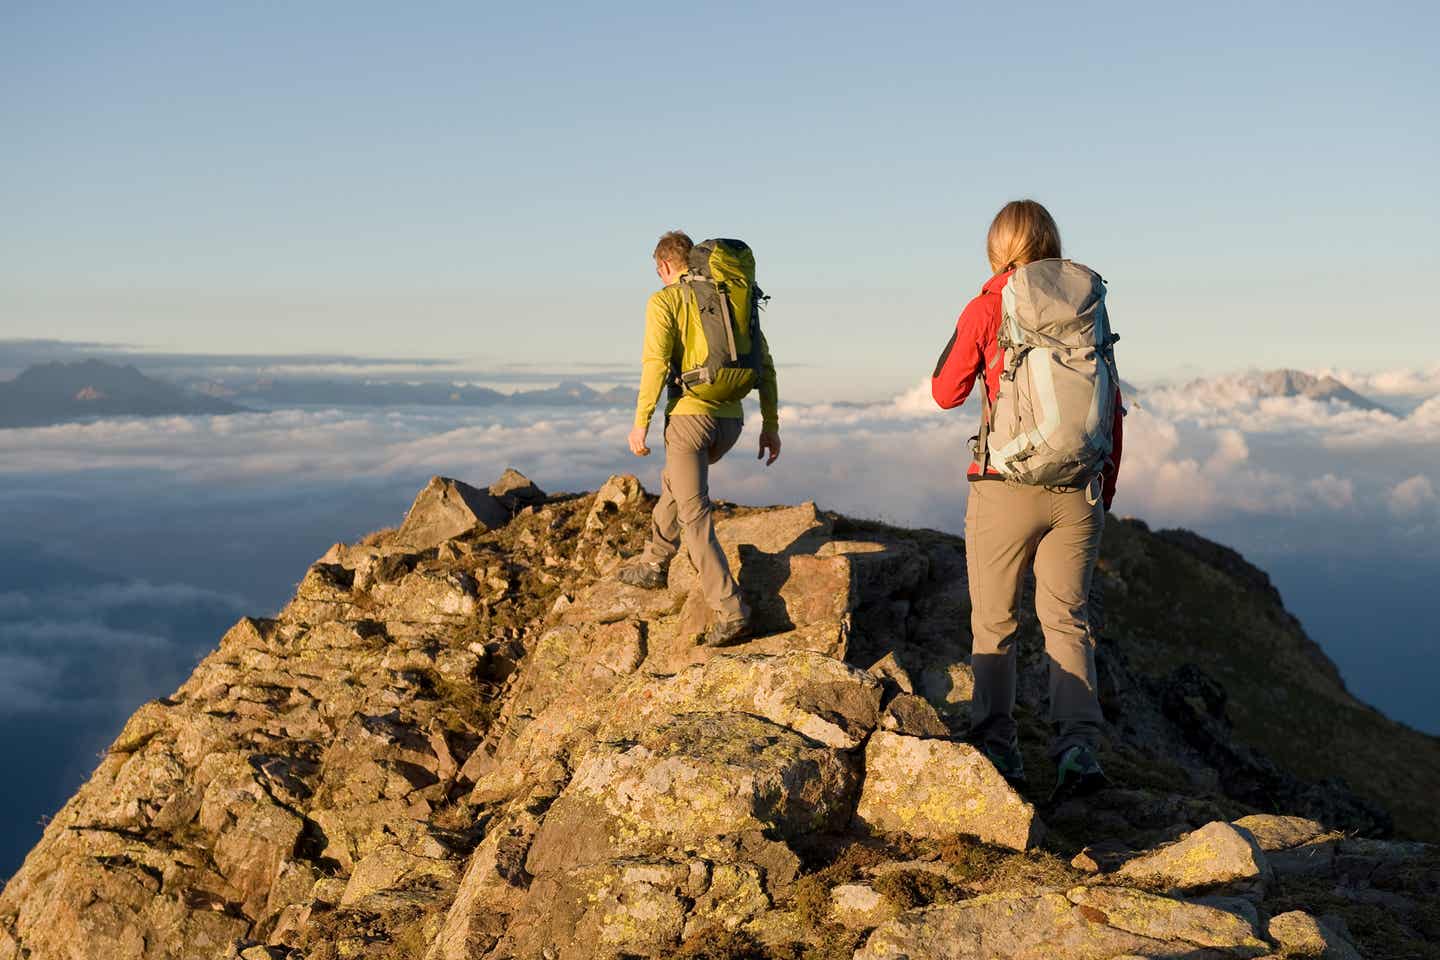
1078	774
649	576
1007	760
722	633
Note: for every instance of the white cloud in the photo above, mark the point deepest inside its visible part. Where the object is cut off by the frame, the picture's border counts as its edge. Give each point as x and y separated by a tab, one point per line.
1207	451
1337	493
1410	496
1408	382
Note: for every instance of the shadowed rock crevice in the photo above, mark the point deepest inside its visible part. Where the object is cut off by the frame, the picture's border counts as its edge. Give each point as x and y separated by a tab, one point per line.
464	740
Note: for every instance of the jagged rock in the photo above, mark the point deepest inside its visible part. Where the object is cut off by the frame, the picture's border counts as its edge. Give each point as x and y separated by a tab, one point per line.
610	600
1088	924
324	593
621	490
252	850
858	906
1163	919
558	701
880	570
789	530
914	717
1275	832
1294	846
103	907
688	783
1301	935
938	788
447	508
814	695
390	867
492	888
735	895
632	907
889	668
1215	855
426	597
515	491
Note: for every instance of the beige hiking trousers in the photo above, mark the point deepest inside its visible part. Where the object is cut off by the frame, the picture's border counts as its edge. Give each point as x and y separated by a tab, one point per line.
692	443
1009	527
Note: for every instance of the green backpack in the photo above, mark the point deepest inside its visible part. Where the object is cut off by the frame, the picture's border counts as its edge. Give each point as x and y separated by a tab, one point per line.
721	276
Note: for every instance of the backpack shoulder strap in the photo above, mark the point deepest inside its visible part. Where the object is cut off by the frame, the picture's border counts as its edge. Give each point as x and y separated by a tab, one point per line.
982	452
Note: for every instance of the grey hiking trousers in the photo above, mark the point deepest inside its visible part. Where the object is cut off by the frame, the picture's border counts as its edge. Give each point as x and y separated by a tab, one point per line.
692	443
1009	527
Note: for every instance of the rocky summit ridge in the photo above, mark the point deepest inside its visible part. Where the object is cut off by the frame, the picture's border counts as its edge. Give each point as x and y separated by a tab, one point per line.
462	739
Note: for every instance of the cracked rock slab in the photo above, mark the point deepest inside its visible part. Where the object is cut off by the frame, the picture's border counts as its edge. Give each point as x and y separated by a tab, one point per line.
689	783
1103	925
937	789
814	695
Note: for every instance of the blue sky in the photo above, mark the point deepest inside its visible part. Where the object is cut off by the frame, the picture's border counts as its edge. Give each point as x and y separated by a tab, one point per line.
486	180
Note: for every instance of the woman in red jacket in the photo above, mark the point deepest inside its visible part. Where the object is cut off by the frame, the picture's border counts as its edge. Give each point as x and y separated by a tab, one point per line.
1011	526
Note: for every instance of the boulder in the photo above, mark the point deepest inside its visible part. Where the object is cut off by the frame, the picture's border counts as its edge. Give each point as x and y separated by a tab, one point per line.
804	597
608	601
1087	924
1166	920
687	785
391	867
914	717
1301	935
514	491
881	570
447	508
818	696
890	668
1216	855
786	531
427	597
1275	832
938	788
620	491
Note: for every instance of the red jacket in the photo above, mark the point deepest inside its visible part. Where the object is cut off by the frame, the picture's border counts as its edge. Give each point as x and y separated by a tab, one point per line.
976	345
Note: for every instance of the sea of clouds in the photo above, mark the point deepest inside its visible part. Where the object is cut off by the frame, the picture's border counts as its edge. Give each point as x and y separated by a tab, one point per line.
131	544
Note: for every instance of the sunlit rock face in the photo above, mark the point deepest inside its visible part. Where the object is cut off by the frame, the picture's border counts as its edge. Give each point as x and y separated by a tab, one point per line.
464	739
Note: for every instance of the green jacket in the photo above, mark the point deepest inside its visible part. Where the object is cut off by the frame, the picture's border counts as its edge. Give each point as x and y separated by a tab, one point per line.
672	321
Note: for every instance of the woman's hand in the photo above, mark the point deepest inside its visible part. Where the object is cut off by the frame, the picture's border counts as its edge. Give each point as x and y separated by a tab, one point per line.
637	442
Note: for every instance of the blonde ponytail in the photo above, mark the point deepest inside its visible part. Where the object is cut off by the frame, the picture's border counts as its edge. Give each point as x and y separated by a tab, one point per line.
1022	232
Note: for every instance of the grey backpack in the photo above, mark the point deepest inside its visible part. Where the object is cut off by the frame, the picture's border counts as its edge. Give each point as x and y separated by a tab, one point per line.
1051	421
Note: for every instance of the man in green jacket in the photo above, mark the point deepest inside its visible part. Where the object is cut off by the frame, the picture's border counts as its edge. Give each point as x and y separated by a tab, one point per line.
697	434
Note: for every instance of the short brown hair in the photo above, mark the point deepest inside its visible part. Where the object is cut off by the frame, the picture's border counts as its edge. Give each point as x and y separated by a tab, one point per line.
674	248
1022	232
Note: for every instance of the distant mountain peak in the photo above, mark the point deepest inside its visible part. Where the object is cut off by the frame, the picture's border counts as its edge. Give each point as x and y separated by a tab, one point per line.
50	393
1287	382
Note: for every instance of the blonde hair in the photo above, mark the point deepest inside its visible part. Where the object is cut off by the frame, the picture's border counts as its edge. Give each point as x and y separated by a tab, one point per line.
674	248
1022	232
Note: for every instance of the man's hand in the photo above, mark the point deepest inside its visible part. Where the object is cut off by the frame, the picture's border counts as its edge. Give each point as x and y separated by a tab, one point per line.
769	441
637	442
